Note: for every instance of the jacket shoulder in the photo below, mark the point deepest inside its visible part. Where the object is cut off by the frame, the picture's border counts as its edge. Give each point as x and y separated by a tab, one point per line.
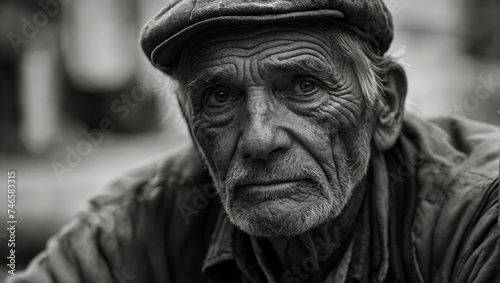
455	228
135	229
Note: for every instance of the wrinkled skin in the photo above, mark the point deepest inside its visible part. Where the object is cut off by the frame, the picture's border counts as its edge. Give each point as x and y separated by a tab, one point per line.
282	123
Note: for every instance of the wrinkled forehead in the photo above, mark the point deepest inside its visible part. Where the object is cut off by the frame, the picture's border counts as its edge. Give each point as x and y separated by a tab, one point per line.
276	41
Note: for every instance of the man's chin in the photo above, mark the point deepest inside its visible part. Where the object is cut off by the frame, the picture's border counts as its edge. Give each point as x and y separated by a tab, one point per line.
279	218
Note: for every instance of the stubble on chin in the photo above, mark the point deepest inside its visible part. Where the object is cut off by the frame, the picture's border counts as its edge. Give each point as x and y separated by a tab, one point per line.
315	201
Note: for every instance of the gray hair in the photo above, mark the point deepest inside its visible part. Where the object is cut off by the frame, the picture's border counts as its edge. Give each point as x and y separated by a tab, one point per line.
369	67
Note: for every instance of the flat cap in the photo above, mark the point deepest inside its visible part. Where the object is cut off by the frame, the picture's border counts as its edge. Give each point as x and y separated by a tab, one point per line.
164	35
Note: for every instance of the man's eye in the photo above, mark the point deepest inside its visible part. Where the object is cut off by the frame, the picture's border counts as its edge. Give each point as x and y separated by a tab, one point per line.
219	97
304	87
307	86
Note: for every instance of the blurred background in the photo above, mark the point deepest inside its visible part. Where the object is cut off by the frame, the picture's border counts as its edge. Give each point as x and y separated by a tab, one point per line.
80	105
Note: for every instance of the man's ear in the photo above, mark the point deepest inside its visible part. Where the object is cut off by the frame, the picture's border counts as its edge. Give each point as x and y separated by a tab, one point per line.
390	108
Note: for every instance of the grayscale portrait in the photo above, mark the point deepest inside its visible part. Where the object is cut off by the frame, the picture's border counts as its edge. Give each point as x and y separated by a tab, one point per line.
286	141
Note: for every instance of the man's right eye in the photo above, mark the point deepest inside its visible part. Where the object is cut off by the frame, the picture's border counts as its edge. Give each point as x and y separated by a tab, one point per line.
219	105
218	98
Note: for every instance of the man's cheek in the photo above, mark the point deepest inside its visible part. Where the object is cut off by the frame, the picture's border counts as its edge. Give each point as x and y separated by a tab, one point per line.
343	118
218	145
331	133
339	113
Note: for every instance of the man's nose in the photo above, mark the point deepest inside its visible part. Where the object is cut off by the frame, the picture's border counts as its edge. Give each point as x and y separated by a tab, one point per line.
262	134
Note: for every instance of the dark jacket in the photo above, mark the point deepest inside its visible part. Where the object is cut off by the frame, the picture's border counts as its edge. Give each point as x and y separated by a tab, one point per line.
431	215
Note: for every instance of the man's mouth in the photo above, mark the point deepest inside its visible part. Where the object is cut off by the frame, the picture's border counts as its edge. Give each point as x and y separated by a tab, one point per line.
260	191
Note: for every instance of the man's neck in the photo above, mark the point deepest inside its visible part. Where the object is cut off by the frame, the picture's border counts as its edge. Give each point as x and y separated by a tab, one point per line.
311	256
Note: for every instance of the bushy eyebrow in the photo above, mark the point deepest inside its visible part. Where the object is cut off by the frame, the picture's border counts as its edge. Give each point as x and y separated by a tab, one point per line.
207	79
306	66
302	67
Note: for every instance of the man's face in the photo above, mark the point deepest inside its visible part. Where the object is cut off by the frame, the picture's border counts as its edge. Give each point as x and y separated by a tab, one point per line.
280	117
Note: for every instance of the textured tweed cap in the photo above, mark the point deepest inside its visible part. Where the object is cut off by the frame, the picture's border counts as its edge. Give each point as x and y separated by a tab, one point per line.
164	35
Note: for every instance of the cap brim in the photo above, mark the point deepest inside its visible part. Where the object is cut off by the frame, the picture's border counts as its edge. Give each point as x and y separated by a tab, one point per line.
165	55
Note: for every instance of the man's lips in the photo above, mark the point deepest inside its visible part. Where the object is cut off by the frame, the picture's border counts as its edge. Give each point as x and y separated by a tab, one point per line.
269	190
265	182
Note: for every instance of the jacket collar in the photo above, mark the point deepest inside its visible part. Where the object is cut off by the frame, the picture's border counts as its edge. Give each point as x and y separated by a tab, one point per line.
222	247
230	255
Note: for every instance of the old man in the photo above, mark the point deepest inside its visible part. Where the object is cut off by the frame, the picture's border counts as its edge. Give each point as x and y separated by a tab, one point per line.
305	166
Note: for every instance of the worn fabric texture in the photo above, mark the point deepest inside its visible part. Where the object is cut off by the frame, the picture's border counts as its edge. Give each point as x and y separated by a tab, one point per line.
163	36
430	215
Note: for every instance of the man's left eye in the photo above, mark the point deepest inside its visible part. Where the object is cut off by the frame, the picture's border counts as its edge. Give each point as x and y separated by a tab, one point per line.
307	86
304	87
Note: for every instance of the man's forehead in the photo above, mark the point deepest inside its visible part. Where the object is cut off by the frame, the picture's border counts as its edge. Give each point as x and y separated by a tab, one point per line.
274	49
255	36
273	64
268	69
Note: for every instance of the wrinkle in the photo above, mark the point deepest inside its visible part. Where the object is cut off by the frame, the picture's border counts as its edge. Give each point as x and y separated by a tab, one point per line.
337	121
